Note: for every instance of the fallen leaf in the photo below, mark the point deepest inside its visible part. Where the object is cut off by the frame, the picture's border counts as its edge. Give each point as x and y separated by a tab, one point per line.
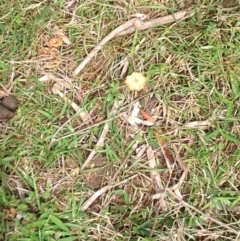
182	164
66	40
134	121
202	125
59	32
166	153
52	64
140	16
69	4
136	81
147	116
66	83
136	109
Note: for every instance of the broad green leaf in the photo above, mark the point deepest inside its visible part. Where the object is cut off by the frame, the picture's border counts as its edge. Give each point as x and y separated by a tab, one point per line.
190	150
211	135
39	223
69	239
3	66
59	223
230	137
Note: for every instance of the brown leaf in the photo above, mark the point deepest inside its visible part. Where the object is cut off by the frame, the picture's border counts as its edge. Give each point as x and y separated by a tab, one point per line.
52	64
147	116
167	154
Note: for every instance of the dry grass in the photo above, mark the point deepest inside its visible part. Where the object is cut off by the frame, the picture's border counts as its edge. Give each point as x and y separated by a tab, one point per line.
192	93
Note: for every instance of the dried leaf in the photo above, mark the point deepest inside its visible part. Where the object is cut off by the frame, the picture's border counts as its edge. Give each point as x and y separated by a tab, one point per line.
58	31
147	116
66	83
199	124
134	121
141	16
166	153
182	164
69	4
66	40
124	64
52	64
136	109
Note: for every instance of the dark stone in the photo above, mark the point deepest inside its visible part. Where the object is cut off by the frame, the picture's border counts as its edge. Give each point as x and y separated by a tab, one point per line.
10	102
5	113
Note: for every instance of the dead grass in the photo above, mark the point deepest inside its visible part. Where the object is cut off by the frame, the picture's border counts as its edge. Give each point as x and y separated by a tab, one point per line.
192	93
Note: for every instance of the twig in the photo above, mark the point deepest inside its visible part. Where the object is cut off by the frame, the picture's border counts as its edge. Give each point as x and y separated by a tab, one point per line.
183	14
156	179
129	27
99	46
102	138
84	115
101	191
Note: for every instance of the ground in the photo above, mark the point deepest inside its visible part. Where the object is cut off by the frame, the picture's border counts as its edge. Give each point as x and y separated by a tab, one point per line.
168	164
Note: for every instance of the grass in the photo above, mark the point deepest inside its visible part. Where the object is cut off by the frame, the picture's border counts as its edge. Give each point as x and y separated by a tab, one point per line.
192	69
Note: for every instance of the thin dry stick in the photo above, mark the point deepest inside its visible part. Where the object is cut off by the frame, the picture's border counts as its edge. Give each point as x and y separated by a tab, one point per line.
129	27
180	15
205	216
102	138
156	179
101	191
125	61
100	143
126	159
99	46
84	115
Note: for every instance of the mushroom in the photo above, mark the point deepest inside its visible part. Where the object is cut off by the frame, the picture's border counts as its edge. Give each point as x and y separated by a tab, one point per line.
136	81
44	52
55	42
